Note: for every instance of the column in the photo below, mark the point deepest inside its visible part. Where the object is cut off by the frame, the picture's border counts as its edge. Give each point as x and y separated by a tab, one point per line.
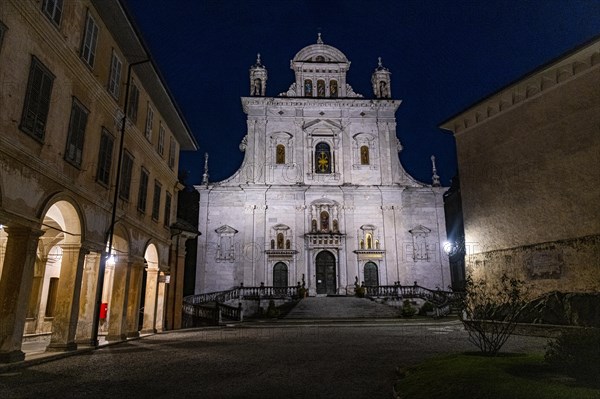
87	298
134	299
117	305
15	286
150	301
160	302
64	324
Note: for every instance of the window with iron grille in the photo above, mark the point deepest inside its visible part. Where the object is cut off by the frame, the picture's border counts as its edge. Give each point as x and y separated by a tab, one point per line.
37	99
90	39
53	9
134	99
76	135
126	169
156	200
114	78
167	209
105	157
143	192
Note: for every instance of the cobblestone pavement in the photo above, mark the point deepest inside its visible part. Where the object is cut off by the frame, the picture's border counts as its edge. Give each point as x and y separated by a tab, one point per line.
259	360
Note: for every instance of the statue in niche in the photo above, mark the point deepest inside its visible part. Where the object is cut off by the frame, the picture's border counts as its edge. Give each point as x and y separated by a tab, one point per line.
364	155
280	154
383	91
272	244
256	88
335	226
324	221
280	241
288	244
314	226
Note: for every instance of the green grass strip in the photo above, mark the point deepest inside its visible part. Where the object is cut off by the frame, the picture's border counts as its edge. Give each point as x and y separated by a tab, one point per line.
506	376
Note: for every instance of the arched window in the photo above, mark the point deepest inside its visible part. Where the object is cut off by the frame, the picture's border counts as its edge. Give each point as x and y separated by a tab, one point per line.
280	154
272	244
279	240
322	158
308	88
333	88
335	226
313	226
288	244
371	274
369	239
280	275
364	155
324	221
320	88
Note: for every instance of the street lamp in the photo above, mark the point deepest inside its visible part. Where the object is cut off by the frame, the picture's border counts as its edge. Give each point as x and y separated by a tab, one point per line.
109	234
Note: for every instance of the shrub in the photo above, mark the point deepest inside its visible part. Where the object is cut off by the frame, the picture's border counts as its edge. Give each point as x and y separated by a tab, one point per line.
359	290
272	310
490	311
407	310
425	308
576	353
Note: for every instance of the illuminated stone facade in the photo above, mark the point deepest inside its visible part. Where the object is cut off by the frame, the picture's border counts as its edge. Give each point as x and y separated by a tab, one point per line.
63	69
529	164
321	195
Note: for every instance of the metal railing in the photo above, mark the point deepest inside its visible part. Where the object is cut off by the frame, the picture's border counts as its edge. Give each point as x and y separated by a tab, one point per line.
211	308
441	300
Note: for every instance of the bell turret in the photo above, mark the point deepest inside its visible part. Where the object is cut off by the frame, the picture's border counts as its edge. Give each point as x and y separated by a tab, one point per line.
258	78
381	81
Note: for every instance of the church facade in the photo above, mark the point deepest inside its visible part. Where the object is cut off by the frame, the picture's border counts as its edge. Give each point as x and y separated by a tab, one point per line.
321	197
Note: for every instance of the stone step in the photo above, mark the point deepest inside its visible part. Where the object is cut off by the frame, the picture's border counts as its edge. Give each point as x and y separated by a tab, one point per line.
340	308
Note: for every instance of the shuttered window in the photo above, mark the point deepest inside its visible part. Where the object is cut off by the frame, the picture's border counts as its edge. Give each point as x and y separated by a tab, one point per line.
37	100
76	135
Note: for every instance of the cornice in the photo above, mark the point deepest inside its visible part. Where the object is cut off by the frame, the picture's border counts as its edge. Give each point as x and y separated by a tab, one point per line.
248	102
583	61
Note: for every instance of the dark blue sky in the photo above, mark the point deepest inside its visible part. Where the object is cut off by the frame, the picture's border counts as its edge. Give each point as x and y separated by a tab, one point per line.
443	55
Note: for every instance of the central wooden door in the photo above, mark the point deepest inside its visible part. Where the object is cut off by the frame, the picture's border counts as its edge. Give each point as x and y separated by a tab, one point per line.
325	268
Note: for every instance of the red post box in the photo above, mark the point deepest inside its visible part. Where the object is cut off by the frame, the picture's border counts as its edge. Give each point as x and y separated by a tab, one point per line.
103	311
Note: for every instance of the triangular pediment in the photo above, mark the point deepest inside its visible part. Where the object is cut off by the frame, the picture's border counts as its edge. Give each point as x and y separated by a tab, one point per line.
322	123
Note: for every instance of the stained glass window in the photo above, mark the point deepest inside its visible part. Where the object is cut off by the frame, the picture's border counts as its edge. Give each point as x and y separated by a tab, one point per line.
322	158
320	88
308	88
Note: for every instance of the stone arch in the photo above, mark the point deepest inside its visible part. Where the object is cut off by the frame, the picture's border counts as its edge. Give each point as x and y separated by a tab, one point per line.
57	273
153	292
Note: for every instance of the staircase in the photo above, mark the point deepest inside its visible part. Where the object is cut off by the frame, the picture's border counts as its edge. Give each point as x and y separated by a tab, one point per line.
340	308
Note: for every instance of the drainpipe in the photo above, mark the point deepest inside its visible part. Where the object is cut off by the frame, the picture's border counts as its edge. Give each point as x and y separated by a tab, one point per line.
109	234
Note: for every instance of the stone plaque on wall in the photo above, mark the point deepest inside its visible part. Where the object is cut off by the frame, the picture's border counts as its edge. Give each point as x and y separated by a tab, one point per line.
544	264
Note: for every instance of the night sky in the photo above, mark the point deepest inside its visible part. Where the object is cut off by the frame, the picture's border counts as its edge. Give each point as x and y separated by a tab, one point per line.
443	55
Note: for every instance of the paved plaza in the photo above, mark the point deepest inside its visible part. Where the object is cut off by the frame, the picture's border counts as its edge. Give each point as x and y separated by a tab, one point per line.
283	359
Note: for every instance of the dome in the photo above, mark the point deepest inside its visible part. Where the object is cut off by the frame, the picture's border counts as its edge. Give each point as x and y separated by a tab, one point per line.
320	52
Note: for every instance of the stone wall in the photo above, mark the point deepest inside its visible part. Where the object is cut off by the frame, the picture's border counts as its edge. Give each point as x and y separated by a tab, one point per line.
565	265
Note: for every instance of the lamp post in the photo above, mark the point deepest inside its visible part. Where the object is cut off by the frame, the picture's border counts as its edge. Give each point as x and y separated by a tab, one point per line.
455	250
109	234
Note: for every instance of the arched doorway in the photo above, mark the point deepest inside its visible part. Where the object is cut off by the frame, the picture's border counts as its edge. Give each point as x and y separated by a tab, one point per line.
371	274
325	273
280	275
151	317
